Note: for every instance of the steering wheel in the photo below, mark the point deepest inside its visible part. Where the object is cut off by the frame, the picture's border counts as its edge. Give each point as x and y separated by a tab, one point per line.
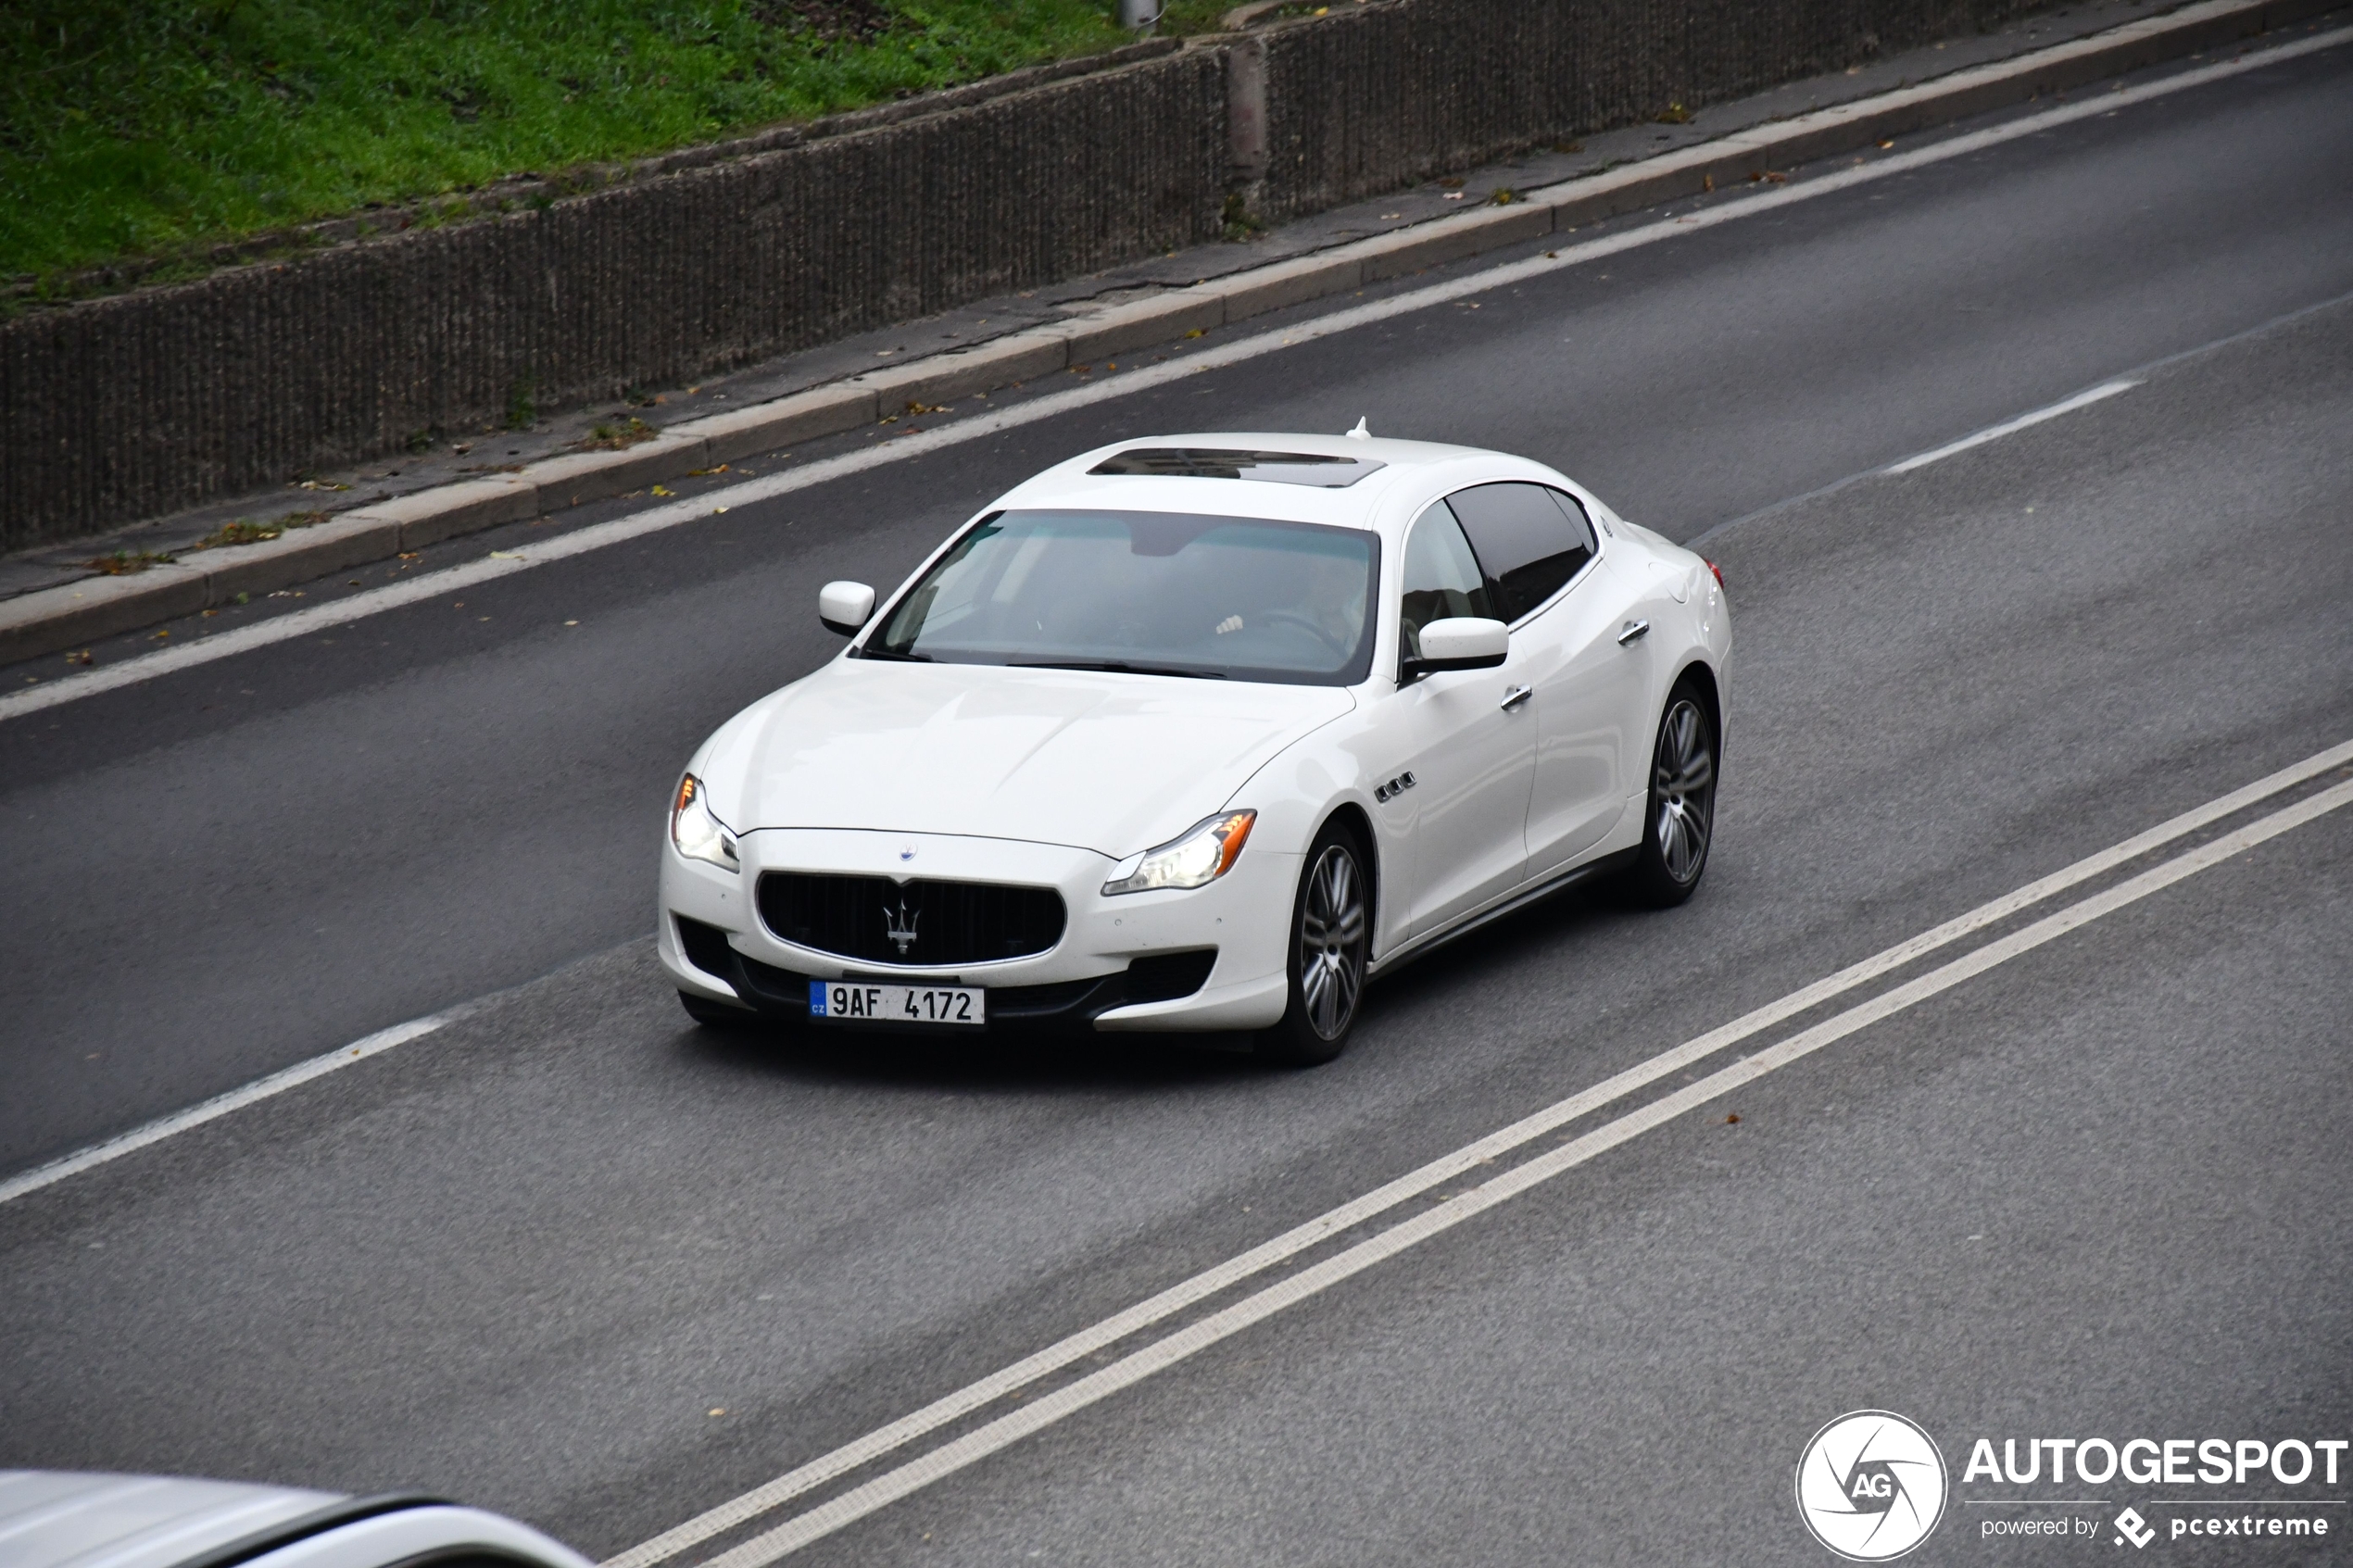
1339	650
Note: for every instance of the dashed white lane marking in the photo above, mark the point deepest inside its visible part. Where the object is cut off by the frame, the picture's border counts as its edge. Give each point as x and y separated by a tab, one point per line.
220	1105
1996	432
318	618
852	1456
2140	373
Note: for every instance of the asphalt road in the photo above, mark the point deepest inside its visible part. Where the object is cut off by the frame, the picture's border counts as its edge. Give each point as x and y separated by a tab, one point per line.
2099	1189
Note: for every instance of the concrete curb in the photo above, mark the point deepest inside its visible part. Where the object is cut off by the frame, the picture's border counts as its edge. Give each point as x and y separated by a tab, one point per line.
54	620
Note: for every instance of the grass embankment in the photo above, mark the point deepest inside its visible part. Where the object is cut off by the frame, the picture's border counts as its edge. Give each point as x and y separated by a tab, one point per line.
157	128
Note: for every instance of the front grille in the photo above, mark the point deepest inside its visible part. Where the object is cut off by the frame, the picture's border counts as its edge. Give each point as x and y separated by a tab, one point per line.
928	924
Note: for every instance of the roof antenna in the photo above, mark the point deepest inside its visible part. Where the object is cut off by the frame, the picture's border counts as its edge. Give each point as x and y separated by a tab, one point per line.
1362	433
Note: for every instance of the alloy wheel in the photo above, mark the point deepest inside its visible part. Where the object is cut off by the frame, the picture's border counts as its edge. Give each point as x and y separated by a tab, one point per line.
1683	791
1331	943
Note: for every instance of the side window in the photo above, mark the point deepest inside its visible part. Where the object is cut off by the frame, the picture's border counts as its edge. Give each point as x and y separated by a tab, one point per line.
1580	522
1530	539
1442	578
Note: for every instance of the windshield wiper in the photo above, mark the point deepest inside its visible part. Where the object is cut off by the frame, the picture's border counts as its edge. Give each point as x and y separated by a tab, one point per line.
893	654
1115	667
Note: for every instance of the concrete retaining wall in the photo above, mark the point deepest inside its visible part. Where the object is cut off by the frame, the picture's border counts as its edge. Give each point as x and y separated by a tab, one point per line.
1373	96
123	408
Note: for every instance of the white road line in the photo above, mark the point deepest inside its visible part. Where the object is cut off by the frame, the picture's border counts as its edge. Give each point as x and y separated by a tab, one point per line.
1996	432
1134	1368
220	1105
222	644
2137	374
1063	1353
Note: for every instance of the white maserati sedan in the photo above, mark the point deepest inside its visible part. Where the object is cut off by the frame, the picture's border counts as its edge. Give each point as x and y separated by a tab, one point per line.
1202	733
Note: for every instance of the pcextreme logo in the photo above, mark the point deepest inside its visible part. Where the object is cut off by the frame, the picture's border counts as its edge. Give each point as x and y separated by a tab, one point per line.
1870	1485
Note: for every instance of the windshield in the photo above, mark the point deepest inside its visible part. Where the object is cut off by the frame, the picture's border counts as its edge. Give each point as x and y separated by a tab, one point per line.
1150	593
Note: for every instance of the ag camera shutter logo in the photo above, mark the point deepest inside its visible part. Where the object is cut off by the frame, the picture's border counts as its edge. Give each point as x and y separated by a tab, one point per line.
1870	1485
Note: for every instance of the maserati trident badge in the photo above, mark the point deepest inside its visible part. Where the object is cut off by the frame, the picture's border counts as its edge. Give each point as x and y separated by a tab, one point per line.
901	928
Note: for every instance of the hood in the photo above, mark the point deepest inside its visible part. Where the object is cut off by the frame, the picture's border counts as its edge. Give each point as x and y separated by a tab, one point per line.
1112	763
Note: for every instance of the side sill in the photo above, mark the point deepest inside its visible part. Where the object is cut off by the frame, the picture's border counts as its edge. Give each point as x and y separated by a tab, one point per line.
1431	942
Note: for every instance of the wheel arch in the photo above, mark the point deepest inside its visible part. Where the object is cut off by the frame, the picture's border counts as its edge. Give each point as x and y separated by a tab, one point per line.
1697	674
1352	816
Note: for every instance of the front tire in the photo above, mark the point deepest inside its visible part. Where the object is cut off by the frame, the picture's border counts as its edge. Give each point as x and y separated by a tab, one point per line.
1678	817
1332	939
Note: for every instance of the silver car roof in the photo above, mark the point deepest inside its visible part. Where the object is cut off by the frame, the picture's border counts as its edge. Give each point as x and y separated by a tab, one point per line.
73	1519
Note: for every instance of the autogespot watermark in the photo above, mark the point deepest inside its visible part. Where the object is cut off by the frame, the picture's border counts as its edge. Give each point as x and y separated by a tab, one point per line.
1871	1486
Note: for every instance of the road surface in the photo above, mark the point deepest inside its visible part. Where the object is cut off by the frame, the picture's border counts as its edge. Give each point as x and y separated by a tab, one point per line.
570	1258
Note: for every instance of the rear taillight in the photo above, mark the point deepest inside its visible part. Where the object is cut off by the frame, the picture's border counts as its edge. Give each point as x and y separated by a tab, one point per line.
1718	570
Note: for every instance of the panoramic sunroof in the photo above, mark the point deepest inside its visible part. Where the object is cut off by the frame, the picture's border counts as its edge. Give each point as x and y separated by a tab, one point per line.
1206	462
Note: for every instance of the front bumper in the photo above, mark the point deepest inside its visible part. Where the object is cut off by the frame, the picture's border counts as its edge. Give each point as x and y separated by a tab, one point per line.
1206	958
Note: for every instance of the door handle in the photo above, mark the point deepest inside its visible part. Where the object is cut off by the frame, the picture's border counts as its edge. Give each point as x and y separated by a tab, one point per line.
1634	631
1516	696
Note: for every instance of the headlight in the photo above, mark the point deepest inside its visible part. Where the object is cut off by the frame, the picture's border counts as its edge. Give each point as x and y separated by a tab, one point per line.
1199	858
697	833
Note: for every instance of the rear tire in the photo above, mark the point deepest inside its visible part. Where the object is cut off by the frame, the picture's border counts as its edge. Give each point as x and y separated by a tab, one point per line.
714	1015
1678	816
1331	936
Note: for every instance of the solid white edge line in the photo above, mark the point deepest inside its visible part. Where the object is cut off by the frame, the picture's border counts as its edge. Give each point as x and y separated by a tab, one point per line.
302	622
1996	432
839	1462
1010	1428
220	1105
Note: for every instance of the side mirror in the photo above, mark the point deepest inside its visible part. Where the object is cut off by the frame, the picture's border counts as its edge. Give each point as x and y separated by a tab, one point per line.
845	606
1463	642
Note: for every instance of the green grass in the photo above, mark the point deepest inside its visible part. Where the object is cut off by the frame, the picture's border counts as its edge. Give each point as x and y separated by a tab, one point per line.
151	128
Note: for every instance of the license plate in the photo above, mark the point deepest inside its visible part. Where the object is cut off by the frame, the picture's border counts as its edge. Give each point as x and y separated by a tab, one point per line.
855	1002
